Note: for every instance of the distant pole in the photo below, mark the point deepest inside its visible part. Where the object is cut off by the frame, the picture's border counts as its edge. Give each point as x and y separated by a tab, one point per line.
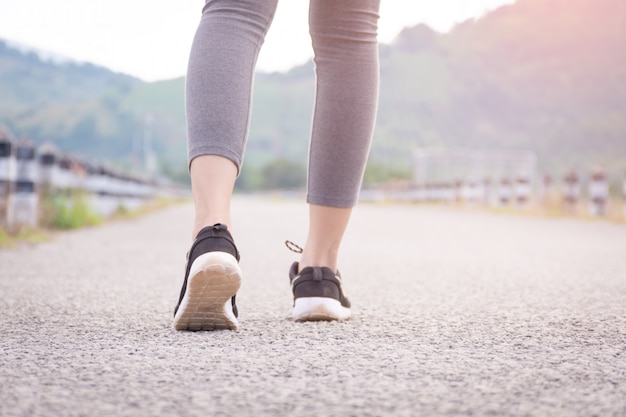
137	143
149	158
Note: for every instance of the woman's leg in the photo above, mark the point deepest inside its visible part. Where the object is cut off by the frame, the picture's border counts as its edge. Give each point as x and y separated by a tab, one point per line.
344	35
212	182
218	100
326	228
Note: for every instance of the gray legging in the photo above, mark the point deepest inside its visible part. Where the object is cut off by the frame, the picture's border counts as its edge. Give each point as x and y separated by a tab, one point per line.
221	72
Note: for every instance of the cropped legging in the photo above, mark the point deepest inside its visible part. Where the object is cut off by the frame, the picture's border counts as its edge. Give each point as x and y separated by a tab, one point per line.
220	78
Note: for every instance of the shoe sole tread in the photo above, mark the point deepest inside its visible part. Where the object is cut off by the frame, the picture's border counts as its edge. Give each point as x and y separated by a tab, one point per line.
214	278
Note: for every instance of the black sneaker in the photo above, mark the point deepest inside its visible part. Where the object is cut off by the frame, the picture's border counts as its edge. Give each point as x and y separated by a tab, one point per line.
212	278
317	294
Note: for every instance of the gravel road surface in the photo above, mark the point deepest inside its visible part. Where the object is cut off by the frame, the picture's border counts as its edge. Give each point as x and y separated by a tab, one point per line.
455	313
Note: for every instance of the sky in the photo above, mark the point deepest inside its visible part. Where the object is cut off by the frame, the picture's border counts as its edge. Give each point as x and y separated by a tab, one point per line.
150	39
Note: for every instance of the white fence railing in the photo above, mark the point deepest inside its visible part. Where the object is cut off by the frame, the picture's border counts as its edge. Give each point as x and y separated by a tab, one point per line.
503	179
29	174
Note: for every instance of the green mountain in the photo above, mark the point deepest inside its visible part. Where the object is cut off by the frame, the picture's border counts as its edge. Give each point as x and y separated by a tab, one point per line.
542	75
72	104
545	75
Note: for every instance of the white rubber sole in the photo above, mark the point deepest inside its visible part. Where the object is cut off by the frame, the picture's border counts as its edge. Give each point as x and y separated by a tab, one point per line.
213	279
319	309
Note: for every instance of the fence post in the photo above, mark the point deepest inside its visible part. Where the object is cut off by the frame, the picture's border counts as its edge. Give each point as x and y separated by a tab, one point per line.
450	193
7	173
470	191
598	192
571	191
23	202
48	177
490	194
480	195
523	191
458	191
545	194
504	192
48	165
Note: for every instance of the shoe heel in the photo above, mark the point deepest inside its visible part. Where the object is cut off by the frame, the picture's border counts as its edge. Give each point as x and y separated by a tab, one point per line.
214	279
319	309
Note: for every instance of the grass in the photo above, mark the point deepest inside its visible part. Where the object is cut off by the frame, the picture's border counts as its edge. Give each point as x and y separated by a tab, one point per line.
67	212
60	211
124	213
70	211
551	207
556	209
23	235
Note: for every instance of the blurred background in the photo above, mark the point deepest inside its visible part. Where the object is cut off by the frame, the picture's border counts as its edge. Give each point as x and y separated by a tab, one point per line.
475	95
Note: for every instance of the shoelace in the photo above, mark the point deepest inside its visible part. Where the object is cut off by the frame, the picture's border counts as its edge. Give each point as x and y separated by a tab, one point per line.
316	271
293	247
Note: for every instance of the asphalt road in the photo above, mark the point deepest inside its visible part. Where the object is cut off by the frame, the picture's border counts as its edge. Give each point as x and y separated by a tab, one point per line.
455	313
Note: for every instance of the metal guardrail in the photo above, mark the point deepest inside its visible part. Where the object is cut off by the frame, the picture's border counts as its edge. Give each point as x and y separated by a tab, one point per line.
503	178
29	174
571	194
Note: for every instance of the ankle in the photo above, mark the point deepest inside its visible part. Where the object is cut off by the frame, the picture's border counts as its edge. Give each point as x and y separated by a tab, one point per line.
328	260
200	224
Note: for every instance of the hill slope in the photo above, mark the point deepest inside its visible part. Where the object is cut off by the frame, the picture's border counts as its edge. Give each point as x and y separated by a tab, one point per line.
545	75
